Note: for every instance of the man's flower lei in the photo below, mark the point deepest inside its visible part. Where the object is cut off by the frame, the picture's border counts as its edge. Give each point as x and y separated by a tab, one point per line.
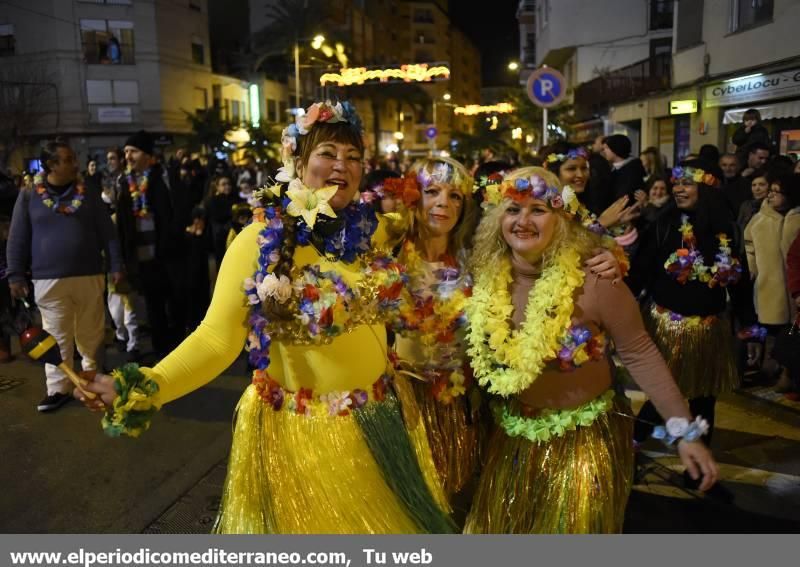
571	154
693	175
317	112
138	191
65	209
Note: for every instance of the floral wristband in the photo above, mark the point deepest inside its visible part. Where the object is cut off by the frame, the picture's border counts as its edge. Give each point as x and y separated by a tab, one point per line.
680	428
753	333
135	404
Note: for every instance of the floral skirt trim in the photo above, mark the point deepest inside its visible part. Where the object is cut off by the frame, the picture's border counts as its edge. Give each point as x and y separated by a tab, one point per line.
551	423
698	350
321	473
577	482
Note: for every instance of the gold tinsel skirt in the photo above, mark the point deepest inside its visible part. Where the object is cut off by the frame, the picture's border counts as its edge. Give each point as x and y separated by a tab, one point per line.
366	472
698	350
454	432
578	482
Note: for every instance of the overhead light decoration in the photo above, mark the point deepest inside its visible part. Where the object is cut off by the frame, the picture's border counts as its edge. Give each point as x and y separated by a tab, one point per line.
418	72
473	109
237	136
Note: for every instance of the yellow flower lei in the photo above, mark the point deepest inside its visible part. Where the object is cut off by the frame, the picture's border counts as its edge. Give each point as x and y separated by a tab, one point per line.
509	362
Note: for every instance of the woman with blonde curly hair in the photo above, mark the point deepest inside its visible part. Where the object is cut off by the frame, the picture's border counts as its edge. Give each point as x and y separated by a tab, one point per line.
561	459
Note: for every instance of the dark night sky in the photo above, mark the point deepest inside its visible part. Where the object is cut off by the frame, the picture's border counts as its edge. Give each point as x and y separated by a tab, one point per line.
495	31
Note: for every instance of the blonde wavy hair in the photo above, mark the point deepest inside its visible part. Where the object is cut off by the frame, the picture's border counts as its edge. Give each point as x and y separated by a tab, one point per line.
455	174
490	248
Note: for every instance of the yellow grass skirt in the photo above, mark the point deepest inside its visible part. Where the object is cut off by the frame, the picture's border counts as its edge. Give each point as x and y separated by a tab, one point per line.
453	434
365	472
578	482
698	350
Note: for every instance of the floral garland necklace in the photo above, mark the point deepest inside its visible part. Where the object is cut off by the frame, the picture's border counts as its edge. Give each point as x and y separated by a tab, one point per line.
687	263
69	208
322	301
138	191
431	312
509	361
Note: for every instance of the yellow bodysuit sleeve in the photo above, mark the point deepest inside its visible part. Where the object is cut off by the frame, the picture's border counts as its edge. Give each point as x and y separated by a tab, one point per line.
219	339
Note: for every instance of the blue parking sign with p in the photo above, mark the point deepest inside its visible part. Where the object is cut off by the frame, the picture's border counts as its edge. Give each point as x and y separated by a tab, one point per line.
546	87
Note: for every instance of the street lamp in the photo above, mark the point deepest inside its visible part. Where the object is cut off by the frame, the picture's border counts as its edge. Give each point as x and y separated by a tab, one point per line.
316	43
446	96
513	66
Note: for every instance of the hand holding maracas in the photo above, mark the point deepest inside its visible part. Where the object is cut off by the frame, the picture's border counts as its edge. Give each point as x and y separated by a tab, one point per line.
40	345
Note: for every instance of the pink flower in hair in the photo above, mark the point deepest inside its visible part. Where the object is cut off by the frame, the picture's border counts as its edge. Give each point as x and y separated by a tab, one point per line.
311	115
556	201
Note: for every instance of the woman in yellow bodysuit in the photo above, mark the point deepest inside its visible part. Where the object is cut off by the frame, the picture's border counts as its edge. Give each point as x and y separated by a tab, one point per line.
327	439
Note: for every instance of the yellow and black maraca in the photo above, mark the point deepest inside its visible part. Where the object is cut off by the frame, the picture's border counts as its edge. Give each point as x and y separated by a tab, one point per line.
40	345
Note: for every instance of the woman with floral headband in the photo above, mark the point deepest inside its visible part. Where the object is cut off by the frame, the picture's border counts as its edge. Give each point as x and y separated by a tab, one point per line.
321	442
571	164
560	460
440	217
687	267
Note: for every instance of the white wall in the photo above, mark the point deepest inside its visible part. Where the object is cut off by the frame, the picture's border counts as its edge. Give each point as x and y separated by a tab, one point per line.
571	22
614	56
730	52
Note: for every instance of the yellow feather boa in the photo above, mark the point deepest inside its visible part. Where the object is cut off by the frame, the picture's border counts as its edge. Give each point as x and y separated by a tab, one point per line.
506	361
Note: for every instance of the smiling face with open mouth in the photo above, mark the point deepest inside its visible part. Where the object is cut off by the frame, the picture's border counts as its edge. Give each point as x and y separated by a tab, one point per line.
575	173
686	194
334	163
528	228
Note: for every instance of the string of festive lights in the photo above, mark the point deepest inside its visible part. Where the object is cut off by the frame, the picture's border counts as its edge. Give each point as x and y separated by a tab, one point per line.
473	109
419	72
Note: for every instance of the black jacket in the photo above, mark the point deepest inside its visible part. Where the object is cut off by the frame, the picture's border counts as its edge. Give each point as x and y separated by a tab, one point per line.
628	179
158	200
661	239
757	133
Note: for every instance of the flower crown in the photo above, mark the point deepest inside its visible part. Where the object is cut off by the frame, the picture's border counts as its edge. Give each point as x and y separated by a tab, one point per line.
443	172
491	179
534	186
571	154
317	112
694	174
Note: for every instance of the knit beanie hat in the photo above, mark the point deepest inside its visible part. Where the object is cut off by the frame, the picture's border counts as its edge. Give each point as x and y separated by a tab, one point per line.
142	140
620	144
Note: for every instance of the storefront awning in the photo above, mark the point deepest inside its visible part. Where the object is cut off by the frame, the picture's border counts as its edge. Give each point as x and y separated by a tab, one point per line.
769	111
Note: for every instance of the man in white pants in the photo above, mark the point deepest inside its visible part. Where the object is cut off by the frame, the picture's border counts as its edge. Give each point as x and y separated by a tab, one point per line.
59	230
121	299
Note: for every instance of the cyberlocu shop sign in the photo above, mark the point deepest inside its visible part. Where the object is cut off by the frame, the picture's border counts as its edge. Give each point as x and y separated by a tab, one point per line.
753	88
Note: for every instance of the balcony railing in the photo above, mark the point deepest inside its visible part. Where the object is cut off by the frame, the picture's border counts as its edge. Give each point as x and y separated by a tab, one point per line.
625	84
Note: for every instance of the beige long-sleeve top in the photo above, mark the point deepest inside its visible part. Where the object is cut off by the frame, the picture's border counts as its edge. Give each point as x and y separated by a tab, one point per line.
602	307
